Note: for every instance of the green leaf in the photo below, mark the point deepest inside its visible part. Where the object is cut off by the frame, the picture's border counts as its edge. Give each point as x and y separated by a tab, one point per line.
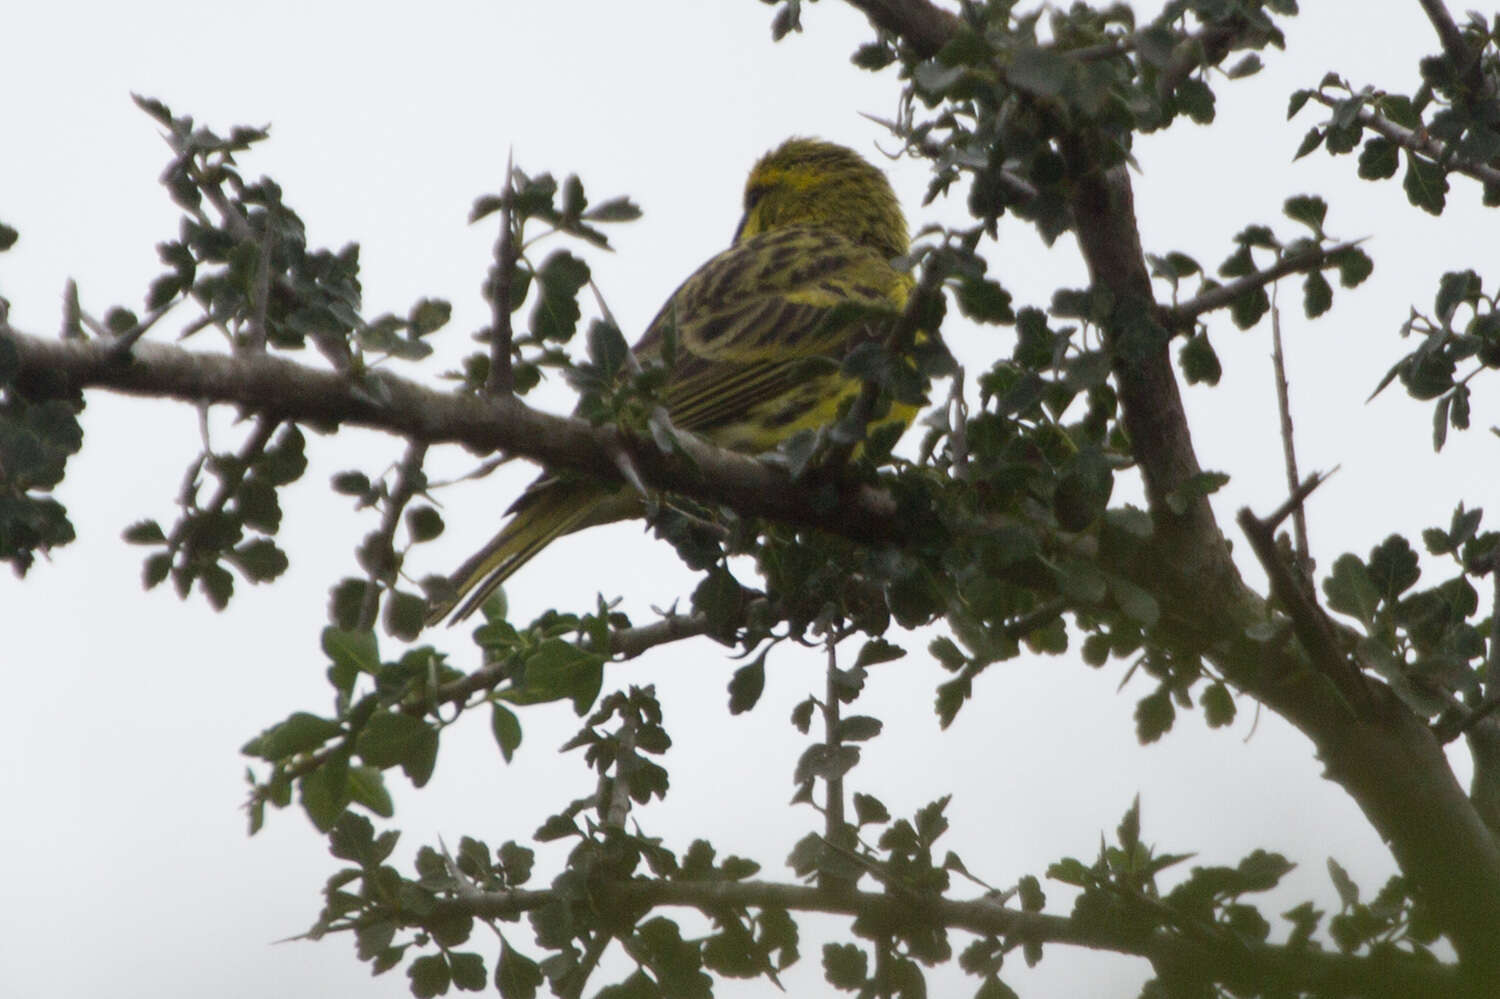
300	733
324	793
145	532
1218	705
1309	209
1039	71
423	523
405	614
351	483
1425	184
845	966
1379	159
427	316
1312	140
1317	294
1201	484
746	685
1197	99
506	728
1154	715
1032	898
556	313
559	670
984	301
367	788
1343	884
869	810
946	652
260	560
858	728
802	714
721	599
1350	591
1083	489
358	649
1200	364
1354	266
1248	308
429	976
1393	567
620	209
607	348
517	976
1137	603
468	971
878	650
1247	65
8	237
394	738
873	56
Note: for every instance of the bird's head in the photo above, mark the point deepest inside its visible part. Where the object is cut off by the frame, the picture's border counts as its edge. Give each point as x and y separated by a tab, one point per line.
811	182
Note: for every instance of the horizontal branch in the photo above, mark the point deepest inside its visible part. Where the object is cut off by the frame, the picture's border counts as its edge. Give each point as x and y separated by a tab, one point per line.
1181	315
625	643
918	23
1236	962
275	387
1419	142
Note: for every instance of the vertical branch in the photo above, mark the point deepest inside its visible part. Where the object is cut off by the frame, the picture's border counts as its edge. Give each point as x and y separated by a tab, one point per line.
1288	445
181	539
259	305
502	379
833	800
1482	731
618	807
409	480
1464	59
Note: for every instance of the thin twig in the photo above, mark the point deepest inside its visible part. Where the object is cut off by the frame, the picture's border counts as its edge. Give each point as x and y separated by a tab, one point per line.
1314	630
262	300
120	346
833	798
1181	316
229	483
618	807
502	378
408	484
1288	444
584	970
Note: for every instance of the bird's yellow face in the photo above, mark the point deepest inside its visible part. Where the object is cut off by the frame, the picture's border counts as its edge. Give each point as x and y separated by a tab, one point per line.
810	182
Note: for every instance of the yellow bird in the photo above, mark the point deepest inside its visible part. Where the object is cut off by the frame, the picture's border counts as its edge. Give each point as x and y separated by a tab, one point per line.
809	275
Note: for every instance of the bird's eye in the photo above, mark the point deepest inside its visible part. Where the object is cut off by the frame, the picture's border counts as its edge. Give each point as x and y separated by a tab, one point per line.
753	196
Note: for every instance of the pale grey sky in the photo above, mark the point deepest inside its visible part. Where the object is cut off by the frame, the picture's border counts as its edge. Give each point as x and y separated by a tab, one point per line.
126	865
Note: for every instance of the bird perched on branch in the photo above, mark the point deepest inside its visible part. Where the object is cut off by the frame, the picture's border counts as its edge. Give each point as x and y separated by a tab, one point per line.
810	275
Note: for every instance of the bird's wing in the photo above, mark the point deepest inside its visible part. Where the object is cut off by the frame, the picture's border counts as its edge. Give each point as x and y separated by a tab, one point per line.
752	322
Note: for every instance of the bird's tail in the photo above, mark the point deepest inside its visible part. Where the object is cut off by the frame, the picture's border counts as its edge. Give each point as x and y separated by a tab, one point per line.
544	513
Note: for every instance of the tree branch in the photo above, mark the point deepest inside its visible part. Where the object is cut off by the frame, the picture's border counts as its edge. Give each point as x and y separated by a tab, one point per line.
1465	60
920	24
281	389
1181	316
1419	142
1241	964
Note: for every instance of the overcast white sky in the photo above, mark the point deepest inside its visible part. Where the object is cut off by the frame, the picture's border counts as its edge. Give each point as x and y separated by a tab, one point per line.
125	860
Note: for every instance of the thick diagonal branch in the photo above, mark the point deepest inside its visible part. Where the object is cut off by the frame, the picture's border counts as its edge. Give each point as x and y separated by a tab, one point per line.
1383	756
274	387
